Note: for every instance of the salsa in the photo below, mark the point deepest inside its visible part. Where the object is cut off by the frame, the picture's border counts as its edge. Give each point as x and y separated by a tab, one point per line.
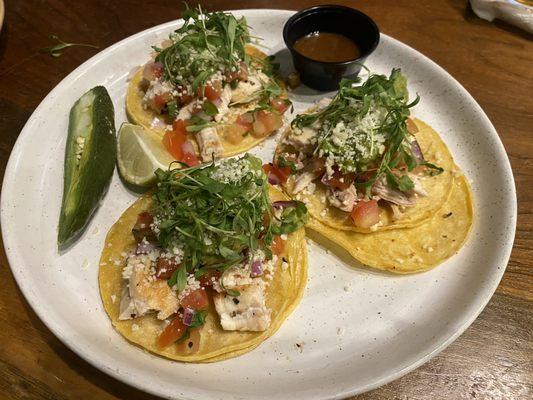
327	46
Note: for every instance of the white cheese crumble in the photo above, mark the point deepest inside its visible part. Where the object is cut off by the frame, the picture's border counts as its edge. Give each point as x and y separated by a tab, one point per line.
232	171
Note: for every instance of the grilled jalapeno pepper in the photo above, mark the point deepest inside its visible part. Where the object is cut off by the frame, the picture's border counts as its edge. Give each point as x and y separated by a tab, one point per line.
90	157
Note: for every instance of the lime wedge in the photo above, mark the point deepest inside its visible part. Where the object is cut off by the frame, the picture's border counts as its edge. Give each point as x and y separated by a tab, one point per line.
140	152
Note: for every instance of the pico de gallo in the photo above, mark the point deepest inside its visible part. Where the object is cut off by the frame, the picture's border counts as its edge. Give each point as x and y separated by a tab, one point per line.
360	147
204	82
212	235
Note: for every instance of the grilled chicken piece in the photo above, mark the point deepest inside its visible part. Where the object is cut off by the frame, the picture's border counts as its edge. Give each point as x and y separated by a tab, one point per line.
247	312
145	293
210	144
247	90
342	199
223	103
302	139
185	113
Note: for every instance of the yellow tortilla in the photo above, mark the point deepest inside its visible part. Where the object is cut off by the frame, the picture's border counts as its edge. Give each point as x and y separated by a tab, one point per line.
282	296
404	251
438	188
145	117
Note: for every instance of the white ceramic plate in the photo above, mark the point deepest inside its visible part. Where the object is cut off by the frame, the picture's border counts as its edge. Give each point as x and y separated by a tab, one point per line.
357	329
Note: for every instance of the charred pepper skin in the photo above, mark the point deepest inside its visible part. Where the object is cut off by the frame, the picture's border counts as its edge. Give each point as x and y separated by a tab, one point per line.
90	157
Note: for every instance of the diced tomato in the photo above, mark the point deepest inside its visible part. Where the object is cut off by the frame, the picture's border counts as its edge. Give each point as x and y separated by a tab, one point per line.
278	245
165	267
265	123
207	279
177	144
279	104
174	331
246	120
365	214
184	98
281	174
161	100
197	300
173	142
153	70
211	92
180	126
142	228
189	154
340	181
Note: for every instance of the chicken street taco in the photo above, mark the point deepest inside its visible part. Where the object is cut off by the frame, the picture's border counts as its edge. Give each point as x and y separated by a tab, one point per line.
360	164
208	266
208	91
407	250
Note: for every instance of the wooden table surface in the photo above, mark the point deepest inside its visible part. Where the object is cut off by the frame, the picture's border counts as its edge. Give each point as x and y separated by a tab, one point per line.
492	359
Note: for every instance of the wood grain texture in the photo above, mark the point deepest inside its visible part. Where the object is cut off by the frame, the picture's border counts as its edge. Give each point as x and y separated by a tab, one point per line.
491	360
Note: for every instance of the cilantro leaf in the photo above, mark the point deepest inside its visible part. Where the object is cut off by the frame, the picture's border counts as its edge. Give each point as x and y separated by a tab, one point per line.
198	319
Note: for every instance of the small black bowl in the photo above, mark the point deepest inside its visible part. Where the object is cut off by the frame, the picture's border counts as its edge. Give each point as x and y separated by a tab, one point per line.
347	21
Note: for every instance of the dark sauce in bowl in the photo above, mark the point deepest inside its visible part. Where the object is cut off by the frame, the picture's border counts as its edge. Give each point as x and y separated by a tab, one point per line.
327	47
349	27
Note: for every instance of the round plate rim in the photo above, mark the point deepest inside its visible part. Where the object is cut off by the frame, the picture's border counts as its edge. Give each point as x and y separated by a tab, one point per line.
87	356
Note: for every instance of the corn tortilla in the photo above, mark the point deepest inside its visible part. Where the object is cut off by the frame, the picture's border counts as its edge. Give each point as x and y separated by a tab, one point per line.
409	250
438	188
146	117
282	296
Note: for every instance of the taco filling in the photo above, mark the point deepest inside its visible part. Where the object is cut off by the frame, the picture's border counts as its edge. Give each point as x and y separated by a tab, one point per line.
211	236
207	81
359	149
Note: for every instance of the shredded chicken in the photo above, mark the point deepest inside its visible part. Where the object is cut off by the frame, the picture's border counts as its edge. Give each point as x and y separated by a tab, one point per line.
342	199
246	312
406	199
396	212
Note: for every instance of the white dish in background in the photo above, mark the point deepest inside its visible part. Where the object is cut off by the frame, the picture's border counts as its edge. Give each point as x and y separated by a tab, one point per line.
357	329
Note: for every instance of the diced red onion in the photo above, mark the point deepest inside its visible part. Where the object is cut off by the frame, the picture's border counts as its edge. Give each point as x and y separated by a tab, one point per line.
283	204
257	268
188	314
273	179
157	124
145	247
416	151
